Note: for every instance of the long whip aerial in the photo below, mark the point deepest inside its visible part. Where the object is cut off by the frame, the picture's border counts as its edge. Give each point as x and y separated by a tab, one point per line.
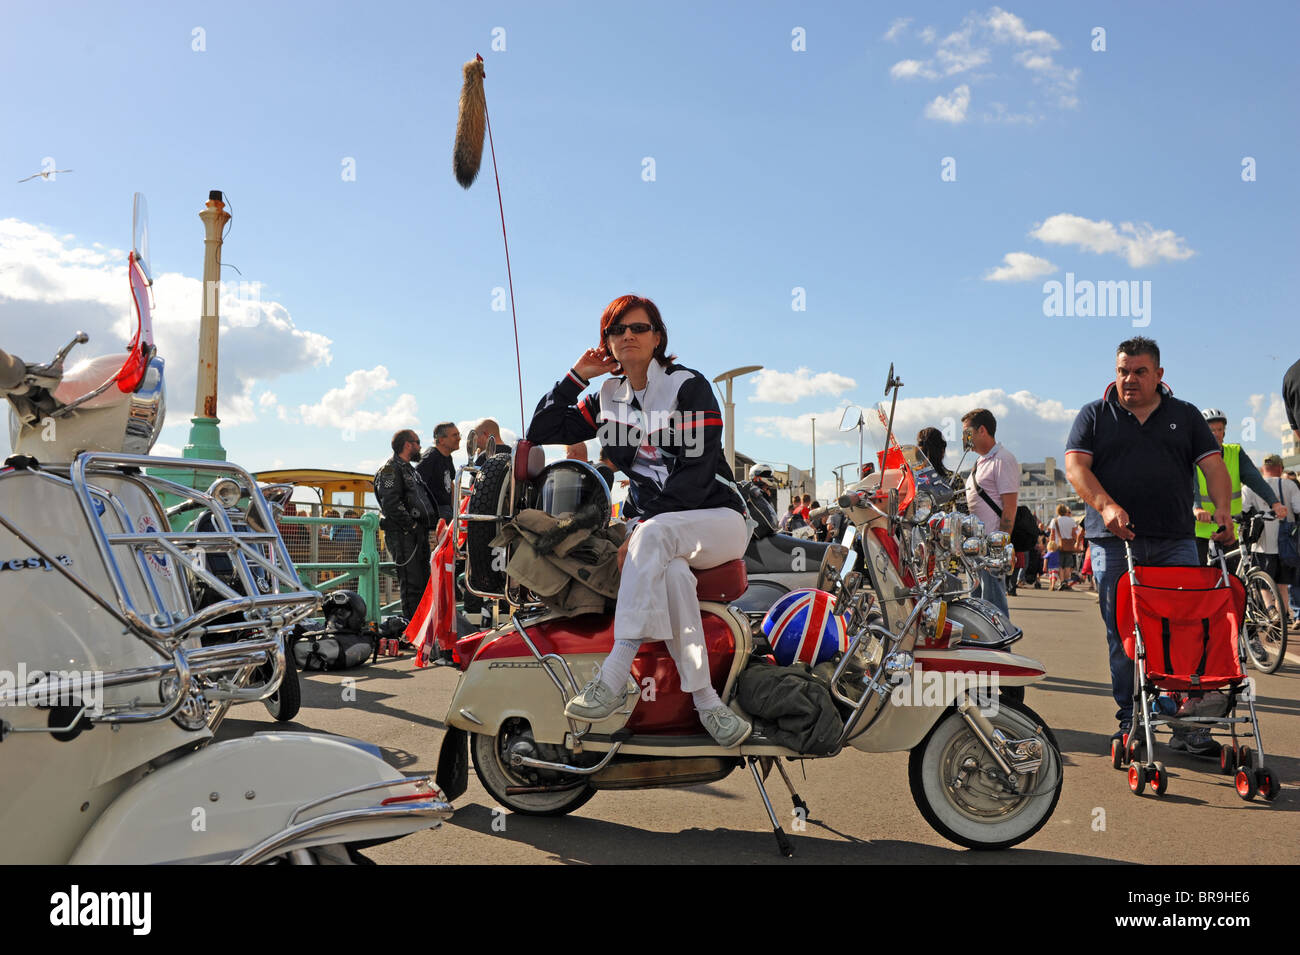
471	122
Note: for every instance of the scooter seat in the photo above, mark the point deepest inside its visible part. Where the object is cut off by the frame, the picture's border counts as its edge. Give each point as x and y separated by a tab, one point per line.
723	583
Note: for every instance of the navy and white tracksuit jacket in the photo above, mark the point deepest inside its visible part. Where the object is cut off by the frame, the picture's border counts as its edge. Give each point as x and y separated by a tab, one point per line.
670	450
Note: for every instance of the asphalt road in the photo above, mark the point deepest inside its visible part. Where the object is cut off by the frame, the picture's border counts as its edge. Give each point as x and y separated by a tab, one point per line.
861	810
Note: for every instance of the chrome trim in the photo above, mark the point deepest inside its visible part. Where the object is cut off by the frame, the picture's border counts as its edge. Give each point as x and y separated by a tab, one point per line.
471	717
986	733
434	809
518	760
417	781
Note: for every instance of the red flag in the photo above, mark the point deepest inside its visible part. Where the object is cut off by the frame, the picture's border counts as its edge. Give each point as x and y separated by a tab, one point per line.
434	623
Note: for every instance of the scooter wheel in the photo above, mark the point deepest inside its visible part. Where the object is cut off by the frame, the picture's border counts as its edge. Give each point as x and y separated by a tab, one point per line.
1137	778
497	776
1245	783
287	699
974	816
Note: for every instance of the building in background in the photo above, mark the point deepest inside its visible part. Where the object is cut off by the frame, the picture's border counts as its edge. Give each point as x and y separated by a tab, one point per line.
1043	486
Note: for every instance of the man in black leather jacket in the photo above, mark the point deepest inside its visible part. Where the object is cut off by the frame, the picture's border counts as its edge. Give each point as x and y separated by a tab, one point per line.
408	513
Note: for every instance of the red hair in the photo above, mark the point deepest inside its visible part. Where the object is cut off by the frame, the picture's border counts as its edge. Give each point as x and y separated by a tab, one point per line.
621	306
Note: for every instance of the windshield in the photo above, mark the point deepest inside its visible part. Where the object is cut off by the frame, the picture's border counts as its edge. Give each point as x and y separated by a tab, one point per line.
895	463
137	266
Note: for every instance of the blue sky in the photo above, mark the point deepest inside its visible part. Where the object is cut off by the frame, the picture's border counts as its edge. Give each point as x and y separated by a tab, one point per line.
775	169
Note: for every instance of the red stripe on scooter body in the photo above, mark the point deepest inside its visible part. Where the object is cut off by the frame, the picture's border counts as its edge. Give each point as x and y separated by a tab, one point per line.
671	712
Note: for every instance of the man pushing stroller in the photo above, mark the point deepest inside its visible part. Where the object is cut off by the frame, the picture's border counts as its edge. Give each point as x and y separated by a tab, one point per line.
1130	457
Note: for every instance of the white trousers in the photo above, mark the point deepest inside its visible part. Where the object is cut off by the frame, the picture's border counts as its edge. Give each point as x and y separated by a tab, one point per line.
656	595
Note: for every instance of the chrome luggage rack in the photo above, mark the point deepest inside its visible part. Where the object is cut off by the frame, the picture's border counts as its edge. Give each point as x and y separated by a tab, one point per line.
193	676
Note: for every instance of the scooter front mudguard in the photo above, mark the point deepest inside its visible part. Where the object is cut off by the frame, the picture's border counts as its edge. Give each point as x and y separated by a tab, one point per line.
245	800
937	679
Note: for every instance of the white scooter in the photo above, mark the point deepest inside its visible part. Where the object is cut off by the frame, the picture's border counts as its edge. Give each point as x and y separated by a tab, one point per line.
109	698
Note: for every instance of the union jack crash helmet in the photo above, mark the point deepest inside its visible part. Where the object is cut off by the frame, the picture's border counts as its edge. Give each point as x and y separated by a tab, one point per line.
803	627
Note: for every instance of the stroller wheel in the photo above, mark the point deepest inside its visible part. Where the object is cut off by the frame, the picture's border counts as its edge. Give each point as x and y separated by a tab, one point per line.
1245	755
1267	783
1134	748
1158	777
1137	778
1227	759
1117	754
1245	783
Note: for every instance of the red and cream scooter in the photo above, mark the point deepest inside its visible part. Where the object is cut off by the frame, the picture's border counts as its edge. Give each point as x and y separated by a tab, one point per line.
984	778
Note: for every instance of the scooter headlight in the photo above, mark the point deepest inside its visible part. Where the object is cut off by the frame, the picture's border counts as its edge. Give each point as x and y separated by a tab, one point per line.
973	546
226	491
998	540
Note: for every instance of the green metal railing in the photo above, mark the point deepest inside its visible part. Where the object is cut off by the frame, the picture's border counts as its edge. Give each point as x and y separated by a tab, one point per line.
347	557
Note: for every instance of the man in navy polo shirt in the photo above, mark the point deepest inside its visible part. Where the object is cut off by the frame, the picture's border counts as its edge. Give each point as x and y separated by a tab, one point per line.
1130	458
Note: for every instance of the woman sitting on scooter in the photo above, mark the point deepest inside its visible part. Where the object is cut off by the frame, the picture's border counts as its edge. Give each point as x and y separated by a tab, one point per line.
659	424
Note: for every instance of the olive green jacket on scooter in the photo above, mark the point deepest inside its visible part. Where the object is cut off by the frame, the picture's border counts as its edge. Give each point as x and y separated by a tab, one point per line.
571	568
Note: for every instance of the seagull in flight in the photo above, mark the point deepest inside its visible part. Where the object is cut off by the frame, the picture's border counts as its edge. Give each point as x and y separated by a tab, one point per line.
44	175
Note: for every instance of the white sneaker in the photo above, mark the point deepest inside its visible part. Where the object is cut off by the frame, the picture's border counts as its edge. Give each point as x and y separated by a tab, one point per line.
595	703
726	728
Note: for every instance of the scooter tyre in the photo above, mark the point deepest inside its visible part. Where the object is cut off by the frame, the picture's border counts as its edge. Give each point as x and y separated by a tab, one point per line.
287	701
491	496
951	735
495	778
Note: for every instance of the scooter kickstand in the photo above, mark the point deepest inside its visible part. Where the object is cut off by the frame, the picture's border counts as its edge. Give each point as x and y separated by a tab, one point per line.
799	804
782	842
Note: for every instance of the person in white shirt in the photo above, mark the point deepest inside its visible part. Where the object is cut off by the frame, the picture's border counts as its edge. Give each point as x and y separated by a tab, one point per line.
1266	547
992	490
1062	529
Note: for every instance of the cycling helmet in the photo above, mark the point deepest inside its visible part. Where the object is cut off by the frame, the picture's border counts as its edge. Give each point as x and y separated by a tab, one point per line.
1213	414
802	627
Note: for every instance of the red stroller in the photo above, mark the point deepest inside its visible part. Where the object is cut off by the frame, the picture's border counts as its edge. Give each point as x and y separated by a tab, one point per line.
1181	626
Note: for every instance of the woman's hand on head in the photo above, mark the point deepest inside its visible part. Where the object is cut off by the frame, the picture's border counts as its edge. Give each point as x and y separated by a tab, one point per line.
594	362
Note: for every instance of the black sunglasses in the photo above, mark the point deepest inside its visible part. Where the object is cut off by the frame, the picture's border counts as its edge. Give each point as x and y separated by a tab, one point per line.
637	328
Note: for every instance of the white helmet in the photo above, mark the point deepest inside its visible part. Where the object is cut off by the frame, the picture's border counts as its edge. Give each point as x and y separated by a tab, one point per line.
1213	414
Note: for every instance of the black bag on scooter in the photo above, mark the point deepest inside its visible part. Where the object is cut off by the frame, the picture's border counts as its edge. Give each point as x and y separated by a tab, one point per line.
344	643
790	707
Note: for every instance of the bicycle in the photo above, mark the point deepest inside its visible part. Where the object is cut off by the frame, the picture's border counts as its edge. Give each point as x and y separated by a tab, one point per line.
1264	628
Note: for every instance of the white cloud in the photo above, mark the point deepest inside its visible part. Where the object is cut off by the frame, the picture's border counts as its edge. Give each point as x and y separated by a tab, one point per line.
950	109
799	428
783	387
908	69
53	286
897	27
1139	244
1009	27
960	56
1271	426
1059	83
980	41
164	450
340	407
998	113
1032	427
267	399
1020	267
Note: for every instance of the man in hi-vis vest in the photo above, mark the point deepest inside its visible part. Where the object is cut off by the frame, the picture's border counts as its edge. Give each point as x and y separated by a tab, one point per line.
1242	471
